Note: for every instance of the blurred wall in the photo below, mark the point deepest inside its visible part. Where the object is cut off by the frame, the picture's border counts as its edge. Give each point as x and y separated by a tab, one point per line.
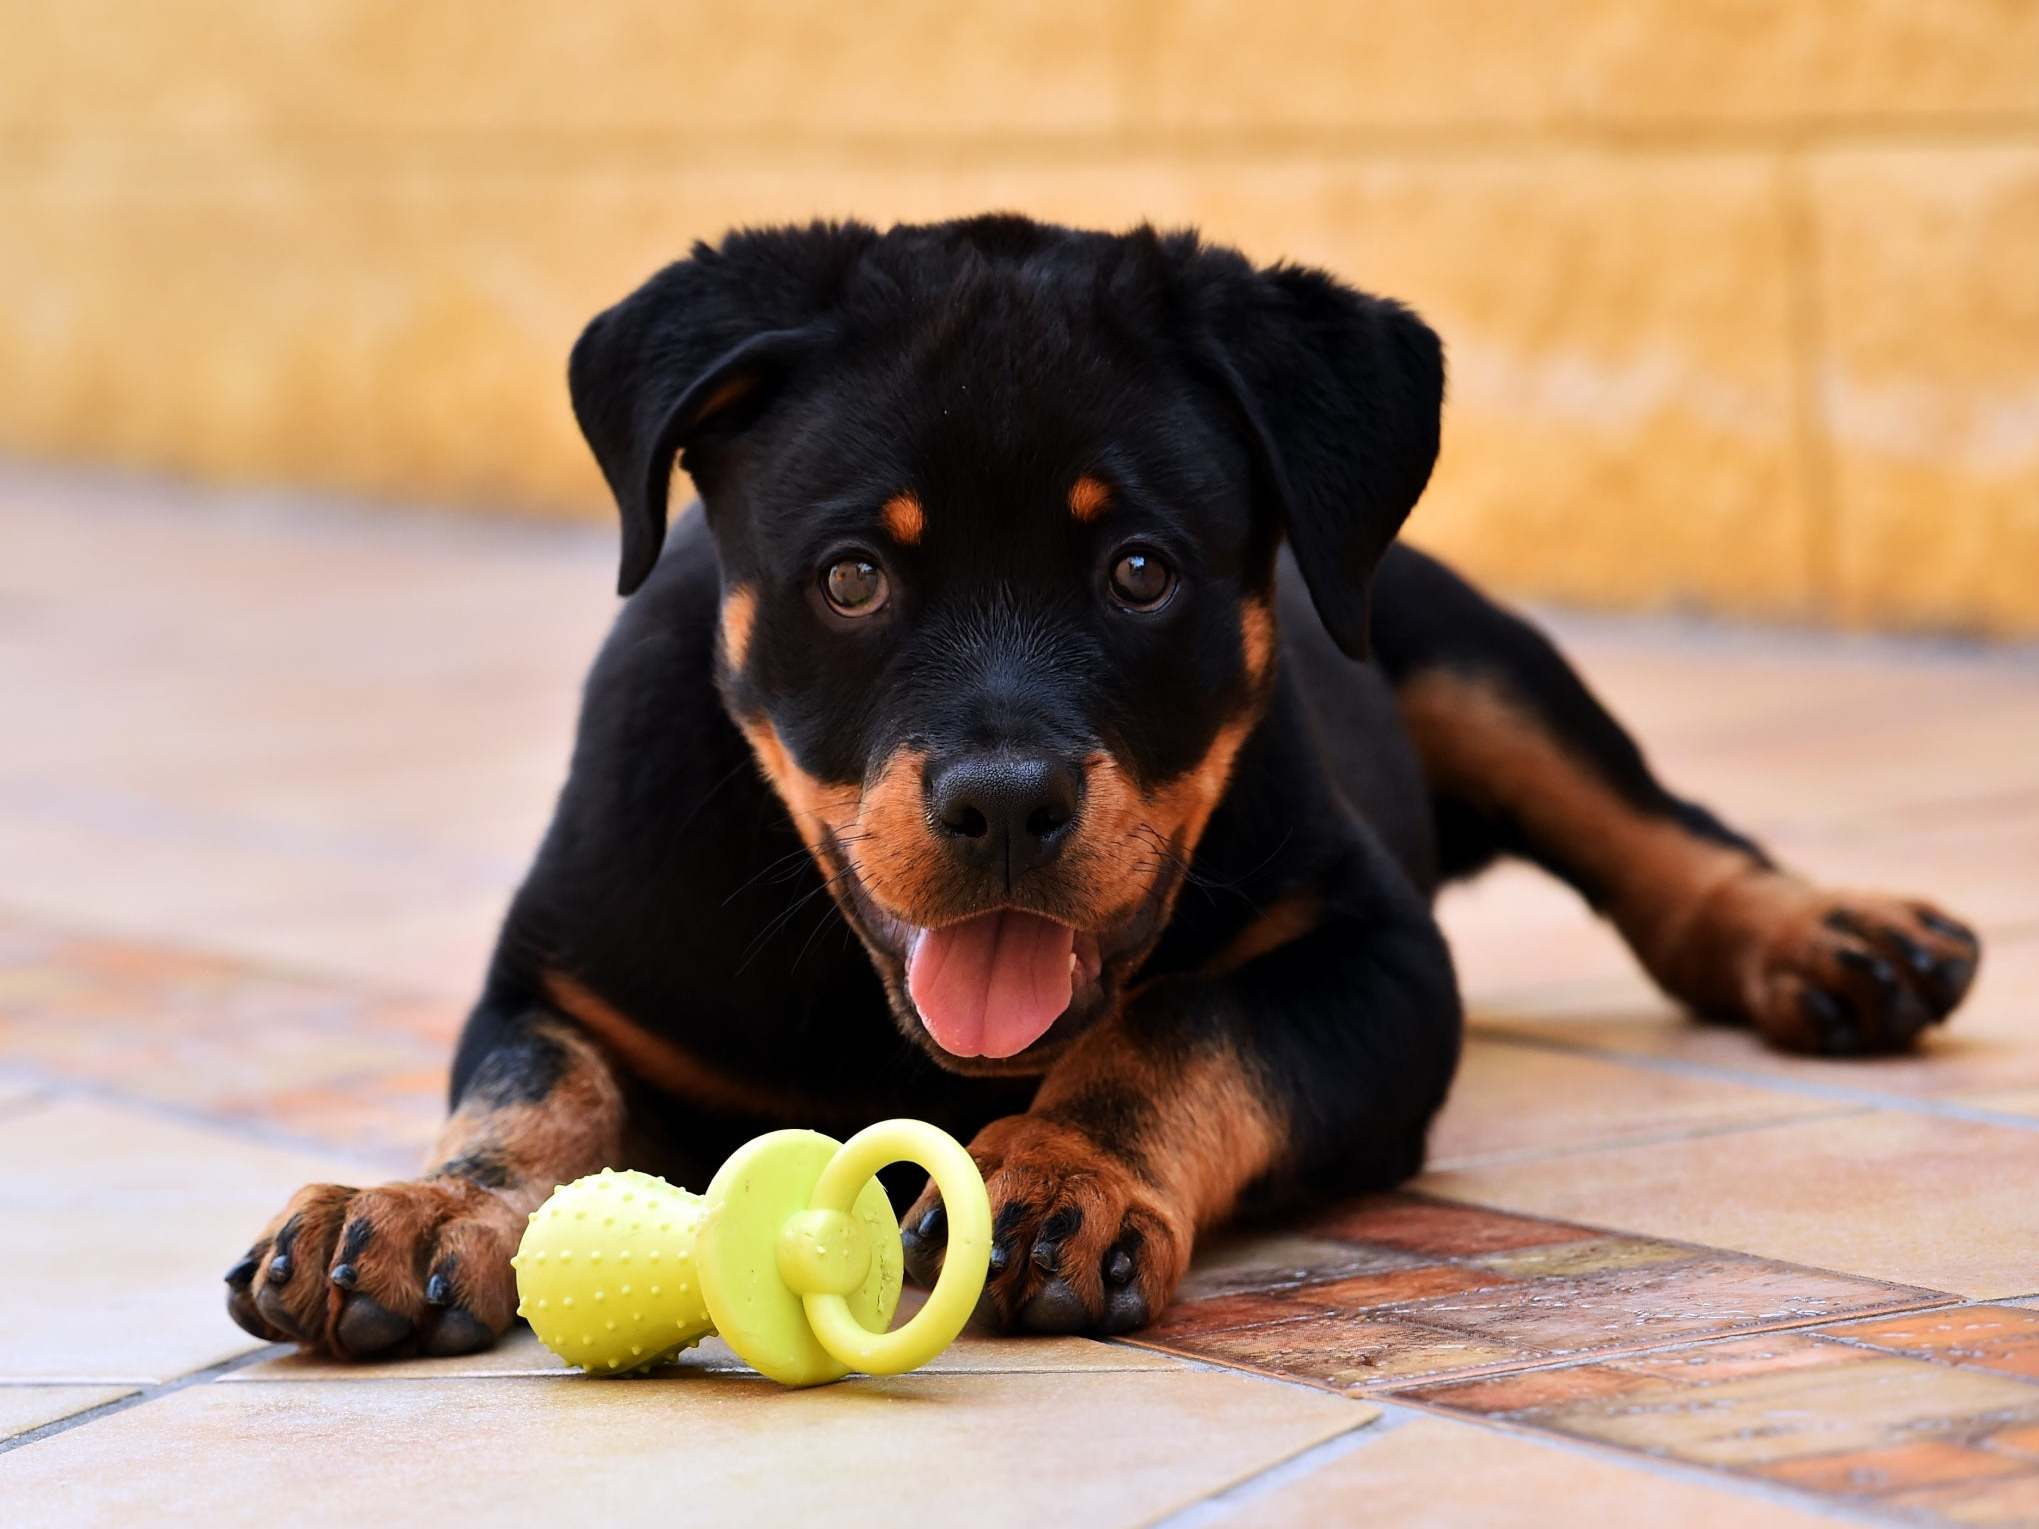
1742	298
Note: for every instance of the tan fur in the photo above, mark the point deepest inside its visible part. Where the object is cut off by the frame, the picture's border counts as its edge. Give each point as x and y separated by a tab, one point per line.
897	857
1664	886
1211	1133
726	394
441	1221
904	518
1275	926
665	1063
819	810
1714	925
739	617
1257	638
1089	498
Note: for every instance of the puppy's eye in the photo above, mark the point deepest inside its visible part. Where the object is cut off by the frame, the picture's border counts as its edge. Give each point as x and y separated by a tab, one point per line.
1140	581
854	586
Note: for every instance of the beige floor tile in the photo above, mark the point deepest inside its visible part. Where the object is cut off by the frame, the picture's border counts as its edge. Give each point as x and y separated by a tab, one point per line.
1512	1101
26	1407
1944	1204
1435	1472
361	756
1990	1047
130	1220
1002	1449
520	1355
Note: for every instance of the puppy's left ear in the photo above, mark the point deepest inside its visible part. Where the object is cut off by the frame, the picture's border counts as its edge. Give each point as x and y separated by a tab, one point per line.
1343	395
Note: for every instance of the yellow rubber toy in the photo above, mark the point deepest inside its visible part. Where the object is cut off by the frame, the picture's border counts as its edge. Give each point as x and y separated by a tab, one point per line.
792	1255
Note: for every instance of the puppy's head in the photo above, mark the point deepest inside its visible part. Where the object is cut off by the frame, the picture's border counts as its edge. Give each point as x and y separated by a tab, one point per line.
997	506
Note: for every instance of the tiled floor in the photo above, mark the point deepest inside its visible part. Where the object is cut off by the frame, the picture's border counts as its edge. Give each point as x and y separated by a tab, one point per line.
268	773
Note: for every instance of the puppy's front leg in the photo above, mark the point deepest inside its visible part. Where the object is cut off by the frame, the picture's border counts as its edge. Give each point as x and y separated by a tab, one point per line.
1307	1069
423	1265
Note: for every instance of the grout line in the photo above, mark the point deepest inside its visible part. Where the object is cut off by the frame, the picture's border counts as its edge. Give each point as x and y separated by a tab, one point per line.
1845	1510
1403	1388
1649	1139
1839	1093
147	1394
1270	1479
59	1086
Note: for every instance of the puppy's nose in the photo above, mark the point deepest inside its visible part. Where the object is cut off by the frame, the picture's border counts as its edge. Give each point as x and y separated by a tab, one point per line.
1003	811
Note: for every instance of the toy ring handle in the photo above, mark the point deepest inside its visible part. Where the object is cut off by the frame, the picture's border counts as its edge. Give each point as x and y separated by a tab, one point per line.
935	1326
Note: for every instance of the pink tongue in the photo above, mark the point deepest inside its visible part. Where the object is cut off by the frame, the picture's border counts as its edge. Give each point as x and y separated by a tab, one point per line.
991	985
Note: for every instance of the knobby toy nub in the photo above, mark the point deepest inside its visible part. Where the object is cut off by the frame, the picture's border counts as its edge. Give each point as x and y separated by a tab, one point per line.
792	1255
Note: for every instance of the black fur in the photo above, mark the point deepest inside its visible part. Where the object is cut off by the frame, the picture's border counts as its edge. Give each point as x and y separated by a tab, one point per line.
806	375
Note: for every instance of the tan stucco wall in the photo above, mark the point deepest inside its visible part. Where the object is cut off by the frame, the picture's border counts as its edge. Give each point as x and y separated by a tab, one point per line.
1742	298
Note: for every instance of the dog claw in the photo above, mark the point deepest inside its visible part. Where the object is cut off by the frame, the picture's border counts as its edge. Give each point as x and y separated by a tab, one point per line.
242	1274
279	1269
344	1275
439	1290
1118	1268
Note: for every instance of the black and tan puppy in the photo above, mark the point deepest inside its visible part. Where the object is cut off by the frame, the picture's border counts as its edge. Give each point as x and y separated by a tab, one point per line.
977	752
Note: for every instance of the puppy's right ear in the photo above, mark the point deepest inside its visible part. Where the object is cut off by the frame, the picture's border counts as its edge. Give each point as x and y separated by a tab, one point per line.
691	356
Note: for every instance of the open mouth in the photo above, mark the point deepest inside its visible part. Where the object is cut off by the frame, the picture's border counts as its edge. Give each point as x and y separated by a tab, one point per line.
990	986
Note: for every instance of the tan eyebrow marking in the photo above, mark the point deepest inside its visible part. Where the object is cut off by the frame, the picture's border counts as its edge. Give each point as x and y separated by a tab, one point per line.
1089	498
904	517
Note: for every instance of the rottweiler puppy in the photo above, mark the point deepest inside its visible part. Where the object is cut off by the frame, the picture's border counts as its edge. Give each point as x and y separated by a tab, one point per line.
1037	728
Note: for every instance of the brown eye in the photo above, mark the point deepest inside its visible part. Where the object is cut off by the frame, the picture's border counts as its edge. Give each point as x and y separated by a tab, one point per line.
854	586
1141	581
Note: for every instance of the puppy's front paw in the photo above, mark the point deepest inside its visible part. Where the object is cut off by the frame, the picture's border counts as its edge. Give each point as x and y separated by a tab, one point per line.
1080	1242
421	1267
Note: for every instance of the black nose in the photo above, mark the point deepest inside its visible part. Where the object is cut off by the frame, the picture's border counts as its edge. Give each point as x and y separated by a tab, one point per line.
1003	811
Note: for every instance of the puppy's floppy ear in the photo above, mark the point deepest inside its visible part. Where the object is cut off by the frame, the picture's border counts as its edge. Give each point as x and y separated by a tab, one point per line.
1342	395
693	354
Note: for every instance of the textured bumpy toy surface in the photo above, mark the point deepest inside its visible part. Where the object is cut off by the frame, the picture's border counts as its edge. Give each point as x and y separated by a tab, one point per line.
792	1255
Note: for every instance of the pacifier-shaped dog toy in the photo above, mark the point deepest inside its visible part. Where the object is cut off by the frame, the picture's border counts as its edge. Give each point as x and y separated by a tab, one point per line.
792	1256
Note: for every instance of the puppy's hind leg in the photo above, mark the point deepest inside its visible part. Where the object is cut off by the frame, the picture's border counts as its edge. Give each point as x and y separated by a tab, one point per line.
1522	759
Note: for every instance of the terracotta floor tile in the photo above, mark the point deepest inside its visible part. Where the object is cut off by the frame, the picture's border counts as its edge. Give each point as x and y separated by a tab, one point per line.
365	1072
26	1407
1439	1228
2011	1502
1895	1468
1515	1101
1594	1255
2003	1338
1350	1350
1791	1406
1496	1290
132	1219
1943	1204
1082	1448
1652	1303
1435	1471
1265	1261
